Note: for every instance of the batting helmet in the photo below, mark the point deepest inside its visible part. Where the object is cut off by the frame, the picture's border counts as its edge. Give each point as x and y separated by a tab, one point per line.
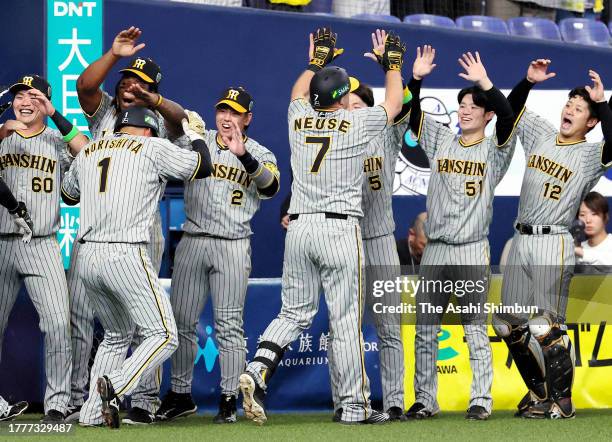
329	85
138	117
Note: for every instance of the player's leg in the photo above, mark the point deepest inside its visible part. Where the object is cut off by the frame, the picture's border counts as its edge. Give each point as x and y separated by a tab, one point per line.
190	288
382	264
517	288
41	264
300	301
427	328
9	282
471	262
145	399
555	257
229	279
82	333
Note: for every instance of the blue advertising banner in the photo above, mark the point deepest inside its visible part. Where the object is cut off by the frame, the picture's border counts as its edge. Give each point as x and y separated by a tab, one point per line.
74	39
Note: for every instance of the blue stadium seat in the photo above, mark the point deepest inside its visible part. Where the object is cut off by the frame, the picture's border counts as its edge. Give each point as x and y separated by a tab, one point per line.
378	17
430	20
585	31
534	27
482	23
319	6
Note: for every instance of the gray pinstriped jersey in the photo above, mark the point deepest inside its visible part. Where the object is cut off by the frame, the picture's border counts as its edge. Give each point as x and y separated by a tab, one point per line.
224	204
379	169
462	183
327	152
33	168
123	177
557	175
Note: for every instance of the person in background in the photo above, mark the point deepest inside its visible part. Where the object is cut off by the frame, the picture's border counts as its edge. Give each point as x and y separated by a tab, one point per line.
596	251
410	249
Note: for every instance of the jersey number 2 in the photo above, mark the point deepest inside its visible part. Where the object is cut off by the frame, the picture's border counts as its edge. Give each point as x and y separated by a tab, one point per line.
104	165
325	143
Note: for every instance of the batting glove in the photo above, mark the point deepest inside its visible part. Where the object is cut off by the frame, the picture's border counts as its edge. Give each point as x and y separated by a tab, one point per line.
324	49
22	218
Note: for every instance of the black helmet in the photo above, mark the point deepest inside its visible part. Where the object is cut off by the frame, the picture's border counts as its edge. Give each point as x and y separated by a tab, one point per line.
329	85
138	117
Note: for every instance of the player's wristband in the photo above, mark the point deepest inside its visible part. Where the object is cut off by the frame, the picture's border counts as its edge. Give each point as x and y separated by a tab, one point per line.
70	136
159	101
314	68
63	125
249	162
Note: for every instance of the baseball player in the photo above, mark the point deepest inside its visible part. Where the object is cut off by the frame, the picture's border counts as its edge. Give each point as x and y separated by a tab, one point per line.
323	246
562	167
118	180
214	254
33	160
9	412
138	86
465	170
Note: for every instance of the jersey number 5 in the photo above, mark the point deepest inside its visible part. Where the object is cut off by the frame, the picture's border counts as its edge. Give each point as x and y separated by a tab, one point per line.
325	143
104	165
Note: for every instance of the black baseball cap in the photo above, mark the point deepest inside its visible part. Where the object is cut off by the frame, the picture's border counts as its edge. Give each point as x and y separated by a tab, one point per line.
138	116
144	68
237	98
32	82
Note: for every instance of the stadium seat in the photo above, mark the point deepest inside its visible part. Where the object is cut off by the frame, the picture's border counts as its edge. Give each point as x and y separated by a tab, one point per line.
610	27
378	17
430	20
534	27
319	6
585	31
482	23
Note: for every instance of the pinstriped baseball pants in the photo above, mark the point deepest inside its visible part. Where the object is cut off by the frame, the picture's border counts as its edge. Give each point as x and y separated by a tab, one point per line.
382	263
39	266
125	293
326	254
444	262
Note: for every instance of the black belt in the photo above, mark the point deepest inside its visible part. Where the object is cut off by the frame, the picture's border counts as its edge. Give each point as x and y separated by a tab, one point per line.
526	229
329	215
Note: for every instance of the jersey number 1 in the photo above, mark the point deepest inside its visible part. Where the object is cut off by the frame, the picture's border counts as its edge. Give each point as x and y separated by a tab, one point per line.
325	143
104	165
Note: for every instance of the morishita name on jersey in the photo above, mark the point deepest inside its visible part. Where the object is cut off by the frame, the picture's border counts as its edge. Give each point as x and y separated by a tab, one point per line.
464	167
130	144
321	124
28	161
549	167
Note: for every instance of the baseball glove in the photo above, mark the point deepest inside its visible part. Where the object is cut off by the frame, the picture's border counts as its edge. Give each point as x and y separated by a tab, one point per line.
324	49
393	57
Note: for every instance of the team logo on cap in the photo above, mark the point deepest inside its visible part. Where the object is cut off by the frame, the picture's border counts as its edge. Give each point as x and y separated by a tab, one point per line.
232	94
28	81
139	63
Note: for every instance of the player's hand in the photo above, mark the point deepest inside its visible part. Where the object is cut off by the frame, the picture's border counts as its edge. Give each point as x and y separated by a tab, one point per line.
474	71
10	126
41	102
538	70
22	218
322	49
597	90
125	45
378	46
393	57
285	222
424	62
195	122
191	134
140	93
234	141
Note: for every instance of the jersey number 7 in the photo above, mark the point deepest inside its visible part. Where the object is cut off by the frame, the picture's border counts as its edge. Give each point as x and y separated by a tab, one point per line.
325	143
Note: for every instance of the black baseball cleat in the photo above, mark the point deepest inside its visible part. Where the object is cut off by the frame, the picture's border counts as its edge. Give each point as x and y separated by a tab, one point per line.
419	411
110	402
73	413
535	410
138	416
252	399
53	417
227	410
175	405
337	415
376	418
477	413
14	411
561	409
396	414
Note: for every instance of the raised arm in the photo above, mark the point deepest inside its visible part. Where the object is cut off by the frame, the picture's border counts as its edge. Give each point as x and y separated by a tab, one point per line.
90	80
321	51
605	115
476	72
423	66
536	73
